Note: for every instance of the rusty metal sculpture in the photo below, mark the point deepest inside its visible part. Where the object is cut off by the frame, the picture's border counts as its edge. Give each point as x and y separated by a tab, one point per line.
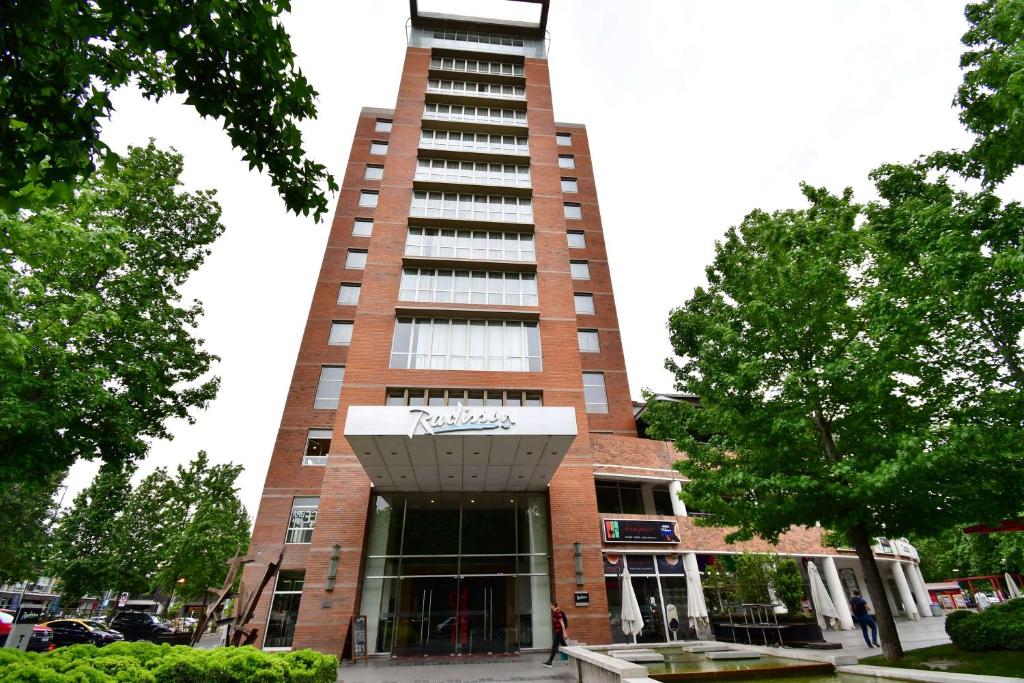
239	632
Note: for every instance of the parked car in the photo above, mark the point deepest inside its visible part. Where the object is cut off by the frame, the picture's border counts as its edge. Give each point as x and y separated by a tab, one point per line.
141	626
6	619
75	631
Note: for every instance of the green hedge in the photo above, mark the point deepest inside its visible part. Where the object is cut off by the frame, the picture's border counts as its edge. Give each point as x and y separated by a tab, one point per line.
149	663
1000	627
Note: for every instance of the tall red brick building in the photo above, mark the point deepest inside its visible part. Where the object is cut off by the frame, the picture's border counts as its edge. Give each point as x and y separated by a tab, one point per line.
459	445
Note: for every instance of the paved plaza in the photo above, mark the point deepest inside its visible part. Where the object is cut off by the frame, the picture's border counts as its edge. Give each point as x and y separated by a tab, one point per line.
529	667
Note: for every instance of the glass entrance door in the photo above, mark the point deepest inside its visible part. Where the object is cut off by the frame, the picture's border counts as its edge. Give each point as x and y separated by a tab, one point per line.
490	617
427	616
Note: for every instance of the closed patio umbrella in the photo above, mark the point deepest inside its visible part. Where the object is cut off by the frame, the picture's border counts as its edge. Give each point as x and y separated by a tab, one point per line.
629	615
824	609
696	608
1012	588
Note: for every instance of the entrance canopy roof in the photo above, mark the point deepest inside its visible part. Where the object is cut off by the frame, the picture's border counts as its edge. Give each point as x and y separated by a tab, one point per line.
460	448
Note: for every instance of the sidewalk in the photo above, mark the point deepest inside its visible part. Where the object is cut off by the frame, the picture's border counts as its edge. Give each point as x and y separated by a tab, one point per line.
913	635
524	667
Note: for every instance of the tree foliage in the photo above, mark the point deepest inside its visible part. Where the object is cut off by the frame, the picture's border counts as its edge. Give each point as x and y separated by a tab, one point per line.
991	96
25	524
146	538
61	60
952	553
96	348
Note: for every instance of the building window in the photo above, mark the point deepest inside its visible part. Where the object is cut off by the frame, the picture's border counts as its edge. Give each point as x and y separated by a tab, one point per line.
594	393
570	185
468	287
444	344
355	259
620	497
378	147
466	397
472	173
328	389
478	245
373	172
284	609
474	66
460	112
576	239
573	211
383	126
318	445
564	139
341	333
302	520
473	89
566	161
579	270
368	199
475	142
348	294
584	304
477	207
662	500
362	227
589	341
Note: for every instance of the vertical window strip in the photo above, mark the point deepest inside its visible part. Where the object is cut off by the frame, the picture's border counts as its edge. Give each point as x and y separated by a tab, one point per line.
302	519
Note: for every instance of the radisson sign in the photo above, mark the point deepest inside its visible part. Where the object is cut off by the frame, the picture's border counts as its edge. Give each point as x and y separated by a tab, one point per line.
457	419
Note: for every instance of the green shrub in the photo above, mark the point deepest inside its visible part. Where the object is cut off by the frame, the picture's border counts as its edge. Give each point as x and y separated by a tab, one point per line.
149	663
1001	627
789	586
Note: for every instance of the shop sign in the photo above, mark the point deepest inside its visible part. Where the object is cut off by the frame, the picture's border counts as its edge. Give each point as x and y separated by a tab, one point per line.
582	599
640	531
457	419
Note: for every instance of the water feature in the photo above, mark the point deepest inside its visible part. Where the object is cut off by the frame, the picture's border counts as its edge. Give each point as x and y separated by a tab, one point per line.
681	666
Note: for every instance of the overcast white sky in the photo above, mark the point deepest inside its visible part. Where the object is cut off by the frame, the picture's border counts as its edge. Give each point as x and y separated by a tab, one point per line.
697	112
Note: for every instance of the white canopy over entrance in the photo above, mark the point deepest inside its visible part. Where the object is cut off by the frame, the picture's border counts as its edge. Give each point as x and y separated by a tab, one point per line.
460	448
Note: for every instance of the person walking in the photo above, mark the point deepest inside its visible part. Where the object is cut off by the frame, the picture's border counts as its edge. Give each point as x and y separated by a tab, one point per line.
559	630
862	613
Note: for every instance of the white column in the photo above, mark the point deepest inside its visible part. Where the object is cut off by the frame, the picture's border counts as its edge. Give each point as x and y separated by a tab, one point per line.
904	588
675	487
838	595
888	590
924	604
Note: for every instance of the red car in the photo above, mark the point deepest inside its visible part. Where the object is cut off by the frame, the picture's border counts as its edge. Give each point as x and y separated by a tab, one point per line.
42	636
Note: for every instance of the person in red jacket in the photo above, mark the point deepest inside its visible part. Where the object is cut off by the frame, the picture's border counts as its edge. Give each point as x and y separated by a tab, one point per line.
559	630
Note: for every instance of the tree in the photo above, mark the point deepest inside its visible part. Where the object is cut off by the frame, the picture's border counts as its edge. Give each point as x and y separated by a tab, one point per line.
833	391
96	348
953	554
25	525
992	94
85	553
61	60
789	585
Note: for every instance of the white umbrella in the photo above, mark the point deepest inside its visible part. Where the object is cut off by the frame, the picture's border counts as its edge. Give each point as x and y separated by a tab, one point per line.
696	609
1012	588
828	616
629	615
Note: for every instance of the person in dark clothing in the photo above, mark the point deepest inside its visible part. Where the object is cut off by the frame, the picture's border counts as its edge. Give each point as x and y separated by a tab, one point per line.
861	612
559	630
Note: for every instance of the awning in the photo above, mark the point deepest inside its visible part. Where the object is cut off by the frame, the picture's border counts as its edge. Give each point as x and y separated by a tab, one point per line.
460	448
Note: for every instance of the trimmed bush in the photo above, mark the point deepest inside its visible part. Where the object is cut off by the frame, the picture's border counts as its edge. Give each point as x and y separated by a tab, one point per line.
148	663
1000	627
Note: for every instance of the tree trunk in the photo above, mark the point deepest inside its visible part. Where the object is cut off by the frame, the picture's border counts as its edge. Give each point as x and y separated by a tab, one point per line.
887	633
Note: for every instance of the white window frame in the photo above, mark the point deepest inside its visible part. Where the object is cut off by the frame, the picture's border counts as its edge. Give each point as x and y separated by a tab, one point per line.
573	211
472	173
355	259
378	147
570	234
444	285
302	520
477	207
443	111
563	139
491	143
476	245
338	331
383	125
476	89
378	172
579	270
570	185
362	227
589	381
326	398
368	199
566	161
317	434
461	344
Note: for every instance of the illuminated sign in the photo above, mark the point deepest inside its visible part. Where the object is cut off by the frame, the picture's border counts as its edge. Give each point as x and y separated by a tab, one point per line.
640	531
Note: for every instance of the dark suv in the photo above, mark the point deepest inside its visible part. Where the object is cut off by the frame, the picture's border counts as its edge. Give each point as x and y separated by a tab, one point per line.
141	626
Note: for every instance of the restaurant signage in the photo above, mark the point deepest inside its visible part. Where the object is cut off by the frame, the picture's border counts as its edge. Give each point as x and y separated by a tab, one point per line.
640	531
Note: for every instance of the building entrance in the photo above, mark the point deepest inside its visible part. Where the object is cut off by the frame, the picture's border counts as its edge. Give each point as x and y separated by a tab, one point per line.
457	574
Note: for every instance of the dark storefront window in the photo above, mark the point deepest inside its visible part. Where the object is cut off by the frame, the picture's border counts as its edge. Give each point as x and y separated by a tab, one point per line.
620	497
284	609
662	501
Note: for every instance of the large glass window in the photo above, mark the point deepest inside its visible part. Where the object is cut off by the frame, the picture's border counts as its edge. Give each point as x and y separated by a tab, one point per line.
472	173
328	389
460	112
478	245
508	92
302	519
475	142
475	66
465	397
477	207
318	444
445	344
620	497
284	609
468	287
594	392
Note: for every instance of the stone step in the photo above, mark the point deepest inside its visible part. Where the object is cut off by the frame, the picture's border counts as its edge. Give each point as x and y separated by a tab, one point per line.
733	654
706	647
637	655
